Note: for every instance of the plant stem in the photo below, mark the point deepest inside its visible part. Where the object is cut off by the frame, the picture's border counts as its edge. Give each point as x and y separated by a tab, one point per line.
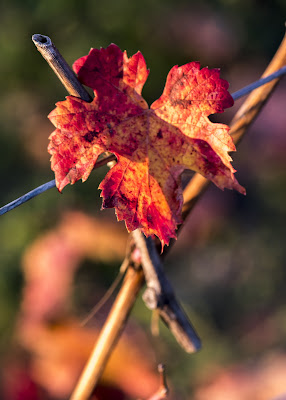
244	117
60	67
159	295
109	334
258	97
252	86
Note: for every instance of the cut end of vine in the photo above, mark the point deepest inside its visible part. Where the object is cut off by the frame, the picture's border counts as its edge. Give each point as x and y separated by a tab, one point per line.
41	40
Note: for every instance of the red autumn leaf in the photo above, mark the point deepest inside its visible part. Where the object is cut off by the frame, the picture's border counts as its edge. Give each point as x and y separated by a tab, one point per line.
152	145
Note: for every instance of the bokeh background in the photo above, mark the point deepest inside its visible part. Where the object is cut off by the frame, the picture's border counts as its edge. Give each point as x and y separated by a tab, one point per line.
59	253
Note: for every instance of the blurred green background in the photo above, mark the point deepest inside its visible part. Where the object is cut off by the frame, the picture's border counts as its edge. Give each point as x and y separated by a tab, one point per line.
228	266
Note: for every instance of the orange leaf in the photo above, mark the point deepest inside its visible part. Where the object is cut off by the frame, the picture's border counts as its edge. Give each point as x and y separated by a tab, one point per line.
152	145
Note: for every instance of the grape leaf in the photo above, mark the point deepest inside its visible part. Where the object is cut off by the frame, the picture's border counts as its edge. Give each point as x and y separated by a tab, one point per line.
152	145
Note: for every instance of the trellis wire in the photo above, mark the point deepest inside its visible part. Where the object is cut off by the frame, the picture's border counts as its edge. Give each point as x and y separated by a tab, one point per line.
49	185
249	88
28	196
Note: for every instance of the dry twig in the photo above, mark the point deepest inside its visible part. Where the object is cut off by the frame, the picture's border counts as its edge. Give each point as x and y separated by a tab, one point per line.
60	67
159	295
